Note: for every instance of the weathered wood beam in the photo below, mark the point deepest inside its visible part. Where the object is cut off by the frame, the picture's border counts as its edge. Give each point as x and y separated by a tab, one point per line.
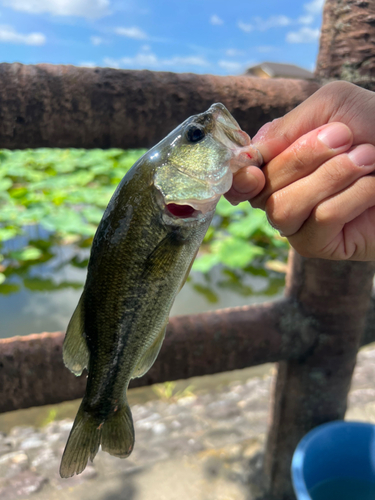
32	372
66	106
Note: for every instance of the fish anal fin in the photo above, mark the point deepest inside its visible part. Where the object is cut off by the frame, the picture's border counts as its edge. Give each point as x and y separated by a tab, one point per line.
75	351
148	358
118	433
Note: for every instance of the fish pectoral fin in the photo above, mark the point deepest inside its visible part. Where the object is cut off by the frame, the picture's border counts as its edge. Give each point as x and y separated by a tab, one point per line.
75	351
163	256
148	358
188	270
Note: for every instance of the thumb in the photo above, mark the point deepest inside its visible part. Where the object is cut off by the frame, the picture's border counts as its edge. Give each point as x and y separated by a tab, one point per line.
319	109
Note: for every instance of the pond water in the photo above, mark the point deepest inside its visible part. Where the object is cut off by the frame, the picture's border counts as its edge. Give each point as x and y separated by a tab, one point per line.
42	298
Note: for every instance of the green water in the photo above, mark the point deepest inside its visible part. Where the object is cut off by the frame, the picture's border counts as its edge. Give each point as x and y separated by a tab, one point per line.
344	489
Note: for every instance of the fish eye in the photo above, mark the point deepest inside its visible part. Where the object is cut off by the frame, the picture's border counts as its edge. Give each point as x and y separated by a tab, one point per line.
194	133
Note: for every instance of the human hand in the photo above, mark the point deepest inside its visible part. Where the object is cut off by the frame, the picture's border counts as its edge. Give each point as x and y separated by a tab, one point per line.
319	185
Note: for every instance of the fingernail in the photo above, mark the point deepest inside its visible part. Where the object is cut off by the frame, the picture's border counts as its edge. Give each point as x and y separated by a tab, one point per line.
335	135
245	182
363	156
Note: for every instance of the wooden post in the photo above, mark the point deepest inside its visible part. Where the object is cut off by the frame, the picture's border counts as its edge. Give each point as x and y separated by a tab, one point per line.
347	42
313	389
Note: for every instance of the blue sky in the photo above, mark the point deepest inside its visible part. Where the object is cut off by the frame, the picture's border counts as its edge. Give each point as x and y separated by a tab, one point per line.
200	36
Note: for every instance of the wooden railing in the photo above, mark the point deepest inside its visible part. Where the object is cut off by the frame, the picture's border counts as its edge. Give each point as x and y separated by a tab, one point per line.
327	312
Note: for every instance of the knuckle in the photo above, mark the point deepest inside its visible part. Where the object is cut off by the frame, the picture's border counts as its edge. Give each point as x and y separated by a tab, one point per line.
334	92
334	172
339	169
298	157
304	242
365	188
336	95
282	132
303	250
278	211
303	154
334	88
326	214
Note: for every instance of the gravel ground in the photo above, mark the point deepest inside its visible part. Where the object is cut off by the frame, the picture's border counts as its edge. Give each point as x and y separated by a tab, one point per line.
204	446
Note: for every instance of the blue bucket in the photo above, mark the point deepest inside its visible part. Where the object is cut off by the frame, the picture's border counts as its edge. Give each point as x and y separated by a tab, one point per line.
332	452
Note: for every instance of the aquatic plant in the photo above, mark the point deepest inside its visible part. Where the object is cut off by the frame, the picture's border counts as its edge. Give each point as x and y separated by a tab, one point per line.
54	197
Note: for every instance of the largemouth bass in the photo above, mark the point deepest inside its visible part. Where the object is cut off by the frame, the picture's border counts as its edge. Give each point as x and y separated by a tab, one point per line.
141	255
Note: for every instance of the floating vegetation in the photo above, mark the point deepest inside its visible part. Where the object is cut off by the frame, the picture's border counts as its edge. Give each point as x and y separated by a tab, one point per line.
56	197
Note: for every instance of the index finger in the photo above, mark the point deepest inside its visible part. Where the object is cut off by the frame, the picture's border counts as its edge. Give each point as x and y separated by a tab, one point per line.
319	109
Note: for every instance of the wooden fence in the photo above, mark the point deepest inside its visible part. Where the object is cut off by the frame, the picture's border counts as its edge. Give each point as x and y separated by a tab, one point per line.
327	312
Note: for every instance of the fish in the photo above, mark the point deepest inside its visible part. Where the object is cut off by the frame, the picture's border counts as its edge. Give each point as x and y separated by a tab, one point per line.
141	255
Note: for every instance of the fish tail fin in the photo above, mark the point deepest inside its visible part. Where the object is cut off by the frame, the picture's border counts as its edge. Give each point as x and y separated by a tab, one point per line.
118	432
83	442
115	434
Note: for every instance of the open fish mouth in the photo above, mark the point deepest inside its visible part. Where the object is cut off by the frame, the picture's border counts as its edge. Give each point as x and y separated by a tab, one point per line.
182	211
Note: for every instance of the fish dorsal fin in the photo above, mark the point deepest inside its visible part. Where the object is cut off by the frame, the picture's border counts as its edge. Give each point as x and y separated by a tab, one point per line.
75	351
148	358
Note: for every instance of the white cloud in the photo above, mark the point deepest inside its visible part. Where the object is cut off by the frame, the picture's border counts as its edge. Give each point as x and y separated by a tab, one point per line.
272	22
235	67
216	20
146	60
132	32
81	8
245	27
315	7
234	52
308	19
304	35
261	24
232	66
88	64
9	35
190	61
96	40
111	63
266	48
